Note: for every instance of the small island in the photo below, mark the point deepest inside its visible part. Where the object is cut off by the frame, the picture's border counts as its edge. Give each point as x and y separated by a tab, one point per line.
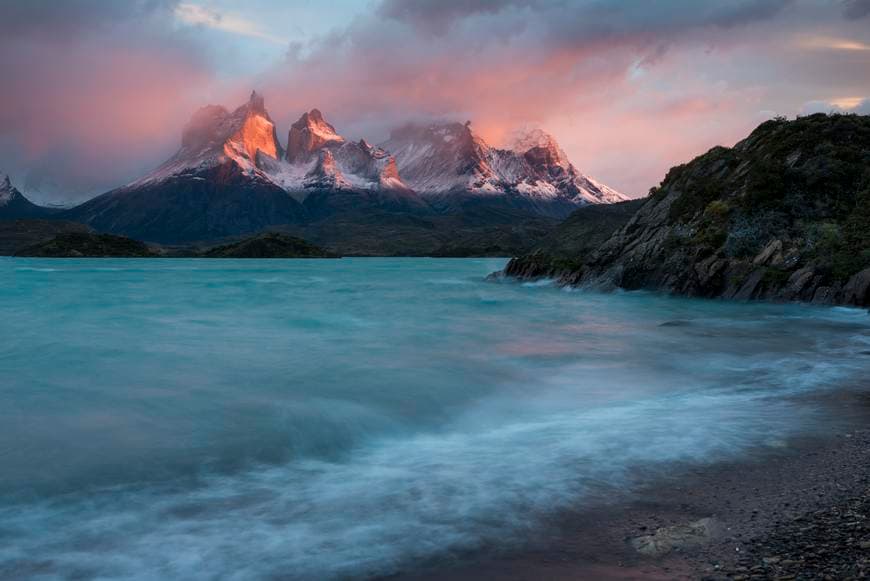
269	245
88	245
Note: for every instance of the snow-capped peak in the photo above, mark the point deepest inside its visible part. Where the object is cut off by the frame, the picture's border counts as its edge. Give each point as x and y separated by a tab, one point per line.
310	134
449	157
7	192
214	135
538	140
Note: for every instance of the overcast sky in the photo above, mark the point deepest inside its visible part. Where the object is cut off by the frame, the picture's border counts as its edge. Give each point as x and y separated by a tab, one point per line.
95	92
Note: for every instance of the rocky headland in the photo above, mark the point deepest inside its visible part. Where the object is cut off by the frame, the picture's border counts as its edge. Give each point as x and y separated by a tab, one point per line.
784	215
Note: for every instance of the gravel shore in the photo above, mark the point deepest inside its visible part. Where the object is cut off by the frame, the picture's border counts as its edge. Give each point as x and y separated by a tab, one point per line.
797	511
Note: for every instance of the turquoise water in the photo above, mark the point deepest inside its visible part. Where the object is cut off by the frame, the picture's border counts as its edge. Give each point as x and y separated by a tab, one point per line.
348	418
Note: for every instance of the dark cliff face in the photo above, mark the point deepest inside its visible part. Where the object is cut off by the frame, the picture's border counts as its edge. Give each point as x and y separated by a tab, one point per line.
573	241
784	215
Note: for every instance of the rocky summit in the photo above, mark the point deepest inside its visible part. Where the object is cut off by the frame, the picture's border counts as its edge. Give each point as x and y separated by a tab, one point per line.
784	215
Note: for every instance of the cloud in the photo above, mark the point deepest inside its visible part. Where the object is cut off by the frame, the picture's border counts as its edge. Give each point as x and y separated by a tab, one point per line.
829	43
67	19
857	105
503	63
96	84
856	8
437	17
196	15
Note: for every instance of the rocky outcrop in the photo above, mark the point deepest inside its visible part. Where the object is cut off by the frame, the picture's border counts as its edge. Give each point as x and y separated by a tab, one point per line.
676	538
573	241
784	216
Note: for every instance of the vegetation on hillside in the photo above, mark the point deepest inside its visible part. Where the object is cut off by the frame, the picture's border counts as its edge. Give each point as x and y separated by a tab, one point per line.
784	214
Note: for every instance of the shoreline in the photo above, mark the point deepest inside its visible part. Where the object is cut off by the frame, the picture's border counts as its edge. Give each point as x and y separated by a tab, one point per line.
793	512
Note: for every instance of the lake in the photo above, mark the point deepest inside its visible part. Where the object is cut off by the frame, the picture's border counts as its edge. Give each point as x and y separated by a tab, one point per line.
348	418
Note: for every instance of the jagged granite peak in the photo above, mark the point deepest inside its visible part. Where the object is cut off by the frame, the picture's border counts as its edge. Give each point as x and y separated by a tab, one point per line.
310	134
550	163
373	164
440	158
214	186
256	103
348	165
215	136
540	149
326	174
257	132
389	176
449	157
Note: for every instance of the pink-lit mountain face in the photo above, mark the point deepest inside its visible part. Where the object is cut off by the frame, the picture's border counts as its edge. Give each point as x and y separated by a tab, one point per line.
231	175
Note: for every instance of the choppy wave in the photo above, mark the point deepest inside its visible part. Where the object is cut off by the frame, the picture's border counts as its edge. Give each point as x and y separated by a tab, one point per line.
303	431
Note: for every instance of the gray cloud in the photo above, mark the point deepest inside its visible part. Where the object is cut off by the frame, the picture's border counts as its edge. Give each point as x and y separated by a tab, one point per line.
503	62
69	18
856	8
437	17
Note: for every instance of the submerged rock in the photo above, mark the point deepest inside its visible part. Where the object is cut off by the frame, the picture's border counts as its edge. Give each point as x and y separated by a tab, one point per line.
675	538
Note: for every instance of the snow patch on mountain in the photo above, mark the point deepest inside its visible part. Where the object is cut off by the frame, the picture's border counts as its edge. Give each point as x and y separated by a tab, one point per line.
7	192
450	158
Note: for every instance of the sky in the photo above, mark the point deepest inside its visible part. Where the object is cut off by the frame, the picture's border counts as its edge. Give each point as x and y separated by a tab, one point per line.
95	92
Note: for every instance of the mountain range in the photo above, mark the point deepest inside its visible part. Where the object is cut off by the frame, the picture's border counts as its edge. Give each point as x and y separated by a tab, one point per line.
231	176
